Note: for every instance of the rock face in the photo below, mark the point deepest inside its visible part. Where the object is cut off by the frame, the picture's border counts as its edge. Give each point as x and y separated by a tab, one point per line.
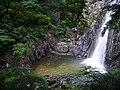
38	50
6	60
113	49
82	45
77	45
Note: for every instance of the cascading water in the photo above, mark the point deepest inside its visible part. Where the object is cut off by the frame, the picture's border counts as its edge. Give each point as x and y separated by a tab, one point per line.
97	59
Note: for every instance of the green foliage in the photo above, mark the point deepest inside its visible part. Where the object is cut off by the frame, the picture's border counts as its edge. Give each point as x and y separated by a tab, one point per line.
72	12
107	81
26	82
60	29
20	49
5	40
24	20
21	78
70	86
114	23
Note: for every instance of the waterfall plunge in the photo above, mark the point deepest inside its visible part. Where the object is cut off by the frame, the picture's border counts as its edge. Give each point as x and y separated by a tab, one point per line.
96	61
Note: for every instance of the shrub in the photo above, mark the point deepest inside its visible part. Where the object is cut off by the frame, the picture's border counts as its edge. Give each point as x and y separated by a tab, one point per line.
21	78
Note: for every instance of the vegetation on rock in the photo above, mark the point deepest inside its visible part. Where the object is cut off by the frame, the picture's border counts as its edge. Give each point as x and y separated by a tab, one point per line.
21	78
23	20
114	23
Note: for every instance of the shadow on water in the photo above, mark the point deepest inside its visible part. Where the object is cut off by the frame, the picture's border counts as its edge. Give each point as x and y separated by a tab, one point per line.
57	65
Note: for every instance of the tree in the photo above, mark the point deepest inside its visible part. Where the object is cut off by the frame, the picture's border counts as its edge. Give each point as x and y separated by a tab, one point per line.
21	78
22	21
114	23
72	13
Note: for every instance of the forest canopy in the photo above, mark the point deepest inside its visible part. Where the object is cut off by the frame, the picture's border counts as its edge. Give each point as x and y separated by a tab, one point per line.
25	20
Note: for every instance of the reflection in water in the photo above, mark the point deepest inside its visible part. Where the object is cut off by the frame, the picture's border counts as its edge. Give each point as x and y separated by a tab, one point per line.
57	65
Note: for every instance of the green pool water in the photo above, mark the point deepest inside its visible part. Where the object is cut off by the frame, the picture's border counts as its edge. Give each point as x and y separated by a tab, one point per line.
57	65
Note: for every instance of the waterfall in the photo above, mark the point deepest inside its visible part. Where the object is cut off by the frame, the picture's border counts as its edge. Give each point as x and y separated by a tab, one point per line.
96	60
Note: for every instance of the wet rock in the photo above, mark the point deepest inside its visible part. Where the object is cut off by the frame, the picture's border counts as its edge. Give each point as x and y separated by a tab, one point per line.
65	82
113	47
6	60
38	50
62	47
82	45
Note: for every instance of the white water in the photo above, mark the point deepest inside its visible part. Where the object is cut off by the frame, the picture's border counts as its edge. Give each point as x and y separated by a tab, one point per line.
96	61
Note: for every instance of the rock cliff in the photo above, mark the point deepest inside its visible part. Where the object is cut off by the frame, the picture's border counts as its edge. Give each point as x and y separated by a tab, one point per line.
113	48
82	45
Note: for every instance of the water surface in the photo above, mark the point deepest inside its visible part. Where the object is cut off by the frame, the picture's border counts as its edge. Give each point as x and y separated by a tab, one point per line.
57	65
